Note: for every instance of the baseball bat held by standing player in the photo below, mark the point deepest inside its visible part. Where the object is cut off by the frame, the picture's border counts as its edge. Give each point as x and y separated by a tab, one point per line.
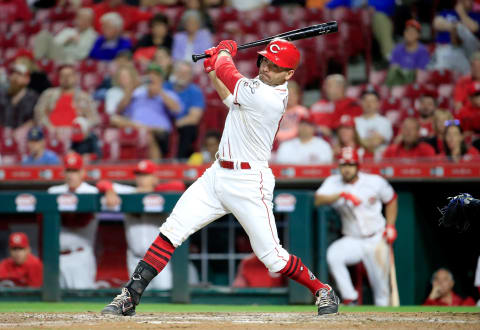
394	296
303	33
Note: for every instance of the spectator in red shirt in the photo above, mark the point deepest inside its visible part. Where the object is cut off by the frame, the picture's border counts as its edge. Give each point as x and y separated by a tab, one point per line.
410	145
469	115
439	119
442	291
131	15
460	94
427	104
455	148
22	268
252	273
14	10
327	112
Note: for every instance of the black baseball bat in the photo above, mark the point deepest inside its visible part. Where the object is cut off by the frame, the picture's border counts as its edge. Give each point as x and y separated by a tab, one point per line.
303	33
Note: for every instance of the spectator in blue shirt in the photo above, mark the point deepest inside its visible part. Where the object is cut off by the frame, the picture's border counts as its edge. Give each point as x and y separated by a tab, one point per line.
193	101
408	56
111	42
457	37
37	153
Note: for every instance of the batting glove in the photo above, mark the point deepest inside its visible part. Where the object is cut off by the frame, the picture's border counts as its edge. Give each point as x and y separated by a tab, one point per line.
390	234
228	45
209	62
349	197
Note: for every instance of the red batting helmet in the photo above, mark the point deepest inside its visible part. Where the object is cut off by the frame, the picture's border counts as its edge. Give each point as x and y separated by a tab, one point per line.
281	52
348	155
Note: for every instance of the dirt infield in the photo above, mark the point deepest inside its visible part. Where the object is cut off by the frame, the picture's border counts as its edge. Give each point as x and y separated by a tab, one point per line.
367	320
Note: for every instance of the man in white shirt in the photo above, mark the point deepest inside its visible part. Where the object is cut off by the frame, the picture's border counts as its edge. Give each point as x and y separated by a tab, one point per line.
239	181
306	149
71	44
374	130
78	266
358	198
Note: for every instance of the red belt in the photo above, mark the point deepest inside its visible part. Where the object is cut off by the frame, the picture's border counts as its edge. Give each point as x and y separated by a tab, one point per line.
64	252
231	165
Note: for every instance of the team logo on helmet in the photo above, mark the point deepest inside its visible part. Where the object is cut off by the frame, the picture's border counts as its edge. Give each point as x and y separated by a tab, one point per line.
274	48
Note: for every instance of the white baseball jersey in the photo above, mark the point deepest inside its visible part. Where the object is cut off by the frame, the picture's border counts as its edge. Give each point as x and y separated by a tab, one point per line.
252	122
365	219
77	268
315	151
380	124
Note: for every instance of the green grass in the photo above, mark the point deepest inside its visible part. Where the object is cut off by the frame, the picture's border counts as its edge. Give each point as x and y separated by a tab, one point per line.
177	308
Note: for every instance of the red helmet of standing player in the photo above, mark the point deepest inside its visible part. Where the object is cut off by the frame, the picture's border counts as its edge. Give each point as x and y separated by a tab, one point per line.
348	155
281	52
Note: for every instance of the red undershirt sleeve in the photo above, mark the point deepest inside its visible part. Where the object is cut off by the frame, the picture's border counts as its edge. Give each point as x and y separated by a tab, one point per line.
227	72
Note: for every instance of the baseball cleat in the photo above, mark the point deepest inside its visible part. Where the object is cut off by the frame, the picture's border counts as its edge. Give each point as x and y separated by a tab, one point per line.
121	305
327	301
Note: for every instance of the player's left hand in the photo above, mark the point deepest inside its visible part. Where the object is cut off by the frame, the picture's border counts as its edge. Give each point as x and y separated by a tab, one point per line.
209	62
390	234
227	45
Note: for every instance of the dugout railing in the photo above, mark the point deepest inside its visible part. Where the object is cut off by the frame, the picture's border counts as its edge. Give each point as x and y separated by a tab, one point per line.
296	205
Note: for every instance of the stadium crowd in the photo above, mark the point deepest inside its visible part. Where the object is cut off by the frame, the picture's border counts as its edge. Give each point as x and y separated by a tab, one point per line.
114	80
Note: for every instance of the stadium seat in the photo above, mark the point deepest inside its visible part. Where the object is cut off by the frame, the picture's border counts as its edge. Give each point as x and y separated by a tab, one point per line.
314	16
56	146
377	78
61	14
33	27
88	66
445	90
354	91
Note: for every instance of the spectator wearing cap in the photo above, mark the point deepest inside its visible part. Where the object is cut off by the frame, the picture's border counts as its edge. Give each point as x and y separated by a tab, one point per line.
440	117
150	107
78	265
131	15
141	229
455	148
288	128
193	37
71	44
469	115
18	100
22	268
346	136
326	112
14	10
84	141
211	141
159	36
306	149
191	96
374	130
408	56
111	42
461	91
37	152
457	31
409	147
59	106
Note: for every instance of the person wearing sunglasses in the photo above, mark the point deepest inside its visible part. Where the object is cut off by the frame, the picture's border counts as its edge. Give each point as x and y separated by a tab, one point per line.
455	148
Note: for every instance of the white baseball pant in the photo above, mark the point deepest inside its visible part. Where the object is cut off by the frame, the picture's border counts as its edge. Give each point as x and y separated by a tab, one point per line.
373	252
78	269
247	194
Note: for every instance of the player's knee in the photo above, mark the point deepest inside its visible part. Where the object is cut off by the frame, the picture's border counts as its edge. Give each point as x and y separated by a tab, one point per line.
275	260
332	257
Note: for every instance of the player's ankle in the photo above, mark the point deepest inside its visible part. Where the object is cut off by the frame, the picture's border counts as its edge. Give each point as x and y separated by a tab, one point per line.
141	277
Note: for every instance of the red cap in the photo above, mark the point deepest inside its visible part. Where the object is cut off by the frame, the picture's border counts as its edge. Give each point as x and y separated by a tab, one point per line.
346	121
281	52
306	118
413	23
18	240
73	161
23	52
145	167
474	88
348	155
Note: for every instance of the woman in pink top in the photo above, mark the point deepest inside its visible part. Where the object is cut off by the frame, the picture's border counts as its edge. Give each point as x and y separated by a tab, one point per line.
289	124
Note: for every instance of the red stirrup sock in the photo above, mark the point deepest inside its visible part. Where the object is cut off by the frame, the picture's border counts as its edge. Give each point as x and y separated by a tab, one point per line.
159	253
297	271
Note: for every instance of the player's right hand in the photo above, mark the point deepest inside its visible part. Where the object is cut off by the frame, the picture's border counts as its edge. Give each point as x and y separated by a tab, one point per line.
349	197
228	45
209	62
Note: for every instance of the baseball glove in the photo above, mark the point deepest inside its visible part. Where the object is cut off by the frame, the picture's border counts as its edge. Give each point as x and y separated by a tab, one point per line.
460	211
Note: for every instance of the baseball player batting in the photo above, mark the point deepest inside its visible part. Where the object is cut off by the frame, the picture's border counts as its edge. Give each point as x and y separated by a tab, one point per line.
239	181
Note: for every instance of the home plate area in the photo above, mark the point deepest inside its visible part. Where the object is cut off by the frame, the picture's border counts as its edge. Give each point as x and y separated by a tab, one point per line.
362	320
